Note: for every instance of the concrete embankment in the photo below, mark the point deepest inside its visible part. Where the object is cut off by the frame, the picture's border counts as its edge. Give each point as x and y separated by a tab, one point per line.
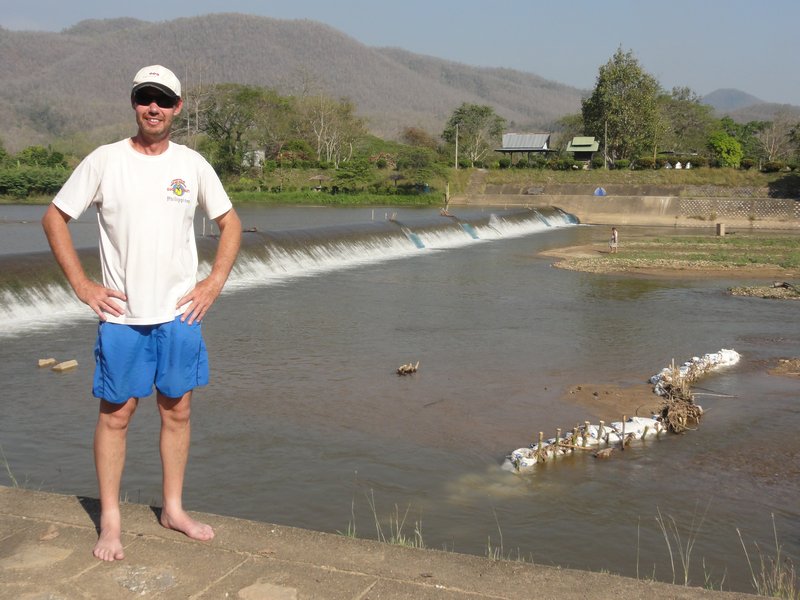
691	206
46	541
754	213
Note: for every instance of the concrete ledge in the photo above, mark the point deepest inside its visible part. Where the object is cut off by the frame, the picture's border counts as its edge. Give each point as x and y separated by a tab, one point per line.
752	213
46	541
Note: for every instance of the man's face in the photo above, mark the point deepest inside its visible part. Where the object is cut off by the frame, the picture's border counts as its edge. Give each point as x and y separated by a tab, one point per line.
155	112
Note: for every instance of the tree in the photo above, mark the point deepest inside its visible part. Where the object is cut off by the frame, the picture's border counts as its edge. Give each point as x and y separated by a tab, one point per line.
331	126
419	138
3	153
622	108
228	114
355	173
567	127
727	149
475	128
689	121
417	164
39	156
745	134
775	137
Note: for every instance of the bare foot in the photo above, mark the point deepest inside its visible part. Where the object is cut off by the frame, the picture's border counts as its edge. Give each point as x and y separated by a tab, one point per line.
180	521
109	544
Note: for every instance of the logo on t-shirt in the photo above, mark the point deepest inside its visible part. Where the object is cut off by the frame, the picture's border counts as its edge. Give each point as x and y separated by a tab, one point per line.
178	189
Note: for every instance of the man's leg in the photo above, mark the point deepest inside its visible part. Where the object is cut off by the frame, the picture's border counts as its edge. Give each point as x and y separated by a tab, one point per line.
109	459
174	444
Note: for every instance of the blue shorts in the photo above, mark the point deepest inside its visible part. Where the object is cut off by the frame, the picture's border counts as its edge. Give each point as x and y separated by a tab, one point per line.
131	359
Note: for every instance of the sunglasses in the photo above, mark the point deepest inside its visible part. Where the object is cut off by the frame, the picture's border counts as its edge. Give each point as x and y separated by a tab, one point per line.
147	97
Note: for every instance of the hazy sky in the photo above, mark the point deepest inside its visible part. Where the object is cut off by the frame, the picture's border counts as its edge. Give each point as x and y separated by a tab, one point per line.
703	44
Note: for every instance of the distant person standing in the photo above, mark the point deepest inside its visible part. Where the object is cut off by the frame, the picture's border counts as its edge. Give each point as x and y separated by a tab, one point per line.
145	190
613	243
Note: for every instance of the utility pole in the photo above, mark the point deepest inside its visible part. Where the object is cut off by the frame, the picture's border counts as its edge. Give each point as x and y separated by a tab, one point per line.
456	165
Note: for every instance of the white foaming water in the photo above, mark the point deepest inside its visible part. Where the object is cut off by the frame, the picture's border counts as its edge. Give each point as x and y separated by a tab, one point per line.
285	264
41	306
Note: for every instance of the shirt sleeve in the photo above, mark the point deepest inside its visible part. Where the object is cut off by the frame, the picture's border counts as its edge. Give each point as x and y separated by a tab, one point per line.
80	190
212	197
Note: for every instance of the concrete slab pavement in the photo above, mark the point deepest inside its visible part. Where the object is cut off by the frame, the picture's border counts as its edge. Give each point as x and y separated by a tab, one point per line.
46	541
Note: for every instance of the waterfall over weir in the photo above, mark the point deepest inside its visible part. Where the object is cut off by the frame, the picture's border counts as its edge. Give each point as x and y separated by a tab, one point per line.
34	293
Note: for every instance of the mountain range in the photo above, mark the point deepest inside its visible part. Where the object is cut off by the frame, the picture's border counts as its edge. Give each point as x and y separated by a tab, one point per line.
74	84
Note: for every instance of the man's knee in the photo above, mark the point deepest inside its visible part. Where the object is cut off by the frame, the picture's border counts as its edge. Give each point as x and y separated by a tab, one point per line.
117	416
175	411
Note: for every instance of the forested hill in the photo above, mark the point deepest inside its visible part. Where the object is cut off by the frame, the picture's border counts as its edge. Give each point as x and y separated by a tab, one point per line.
74	84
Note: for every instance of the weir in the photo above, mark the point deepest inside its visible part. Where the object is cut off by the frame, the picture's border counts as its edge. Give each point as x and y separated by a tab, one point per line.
35	294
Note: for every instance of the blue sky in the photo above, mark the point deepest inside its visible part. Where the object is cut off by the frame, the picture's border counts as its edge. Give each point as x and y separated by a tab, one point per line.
703	44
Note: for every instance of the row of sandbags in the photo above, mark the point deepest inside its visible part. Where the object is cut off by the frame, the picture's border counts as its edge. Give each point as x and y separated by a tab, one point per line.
590	437
692	369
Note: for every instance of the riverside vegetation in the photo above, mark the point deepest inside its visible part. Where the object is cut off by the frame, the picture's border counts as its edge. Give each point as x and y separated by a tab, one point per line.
743	254
772	573
383	187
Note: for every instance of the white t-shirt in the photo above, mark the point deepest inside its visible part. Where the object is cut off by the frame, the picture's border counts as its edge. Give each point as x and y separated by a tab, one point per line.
145	209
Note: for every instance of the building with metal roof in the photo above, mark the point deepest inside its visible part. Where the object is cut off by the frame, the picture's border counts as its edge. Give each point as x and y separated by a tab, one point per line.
526	143
583	147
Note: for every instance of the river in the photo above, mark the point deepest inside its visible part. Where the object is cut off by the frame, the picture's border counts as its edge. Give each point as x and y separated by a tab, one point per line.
306	423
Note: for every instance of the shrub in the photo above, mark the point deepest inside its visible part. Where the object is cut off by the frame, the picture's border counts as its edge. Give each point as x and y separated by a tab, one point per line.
25	180
522	163
622	163
644	162
773	166
598	161
538	163
699	161
565	163
747	164
504	163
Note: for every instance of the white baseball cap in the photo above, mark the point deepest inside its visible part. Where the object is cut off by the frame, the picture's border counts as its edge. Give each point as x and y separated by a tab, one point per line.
157	77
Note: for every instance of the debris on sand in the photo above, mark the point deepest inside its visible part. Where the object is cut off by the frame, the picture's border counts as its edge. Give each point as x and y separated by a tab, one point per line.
677	414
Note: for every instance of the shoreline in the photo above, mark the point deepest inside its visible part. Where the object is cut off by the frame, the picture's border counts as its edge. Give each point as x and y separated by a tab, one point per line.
612	401
596	258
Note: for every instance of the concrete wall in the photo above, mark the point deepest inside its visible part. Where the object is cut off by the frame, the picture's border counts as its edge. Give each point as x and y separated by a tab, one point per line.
755	213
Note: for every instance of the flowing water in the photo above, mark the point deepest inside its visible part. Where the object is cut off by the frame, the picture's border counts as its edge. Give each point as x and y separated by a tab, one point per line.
305	422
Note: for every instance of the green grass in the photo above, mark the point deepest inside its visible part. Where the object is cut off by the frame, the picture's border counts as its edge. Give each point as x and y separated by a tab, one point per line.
702	176
310	198
775	576
734	250
396	533
14	482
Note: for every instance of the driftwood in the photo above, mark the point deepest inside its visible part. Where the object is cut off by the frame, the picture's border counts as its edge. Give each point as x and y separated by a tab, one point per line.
604	453
785	284
407	369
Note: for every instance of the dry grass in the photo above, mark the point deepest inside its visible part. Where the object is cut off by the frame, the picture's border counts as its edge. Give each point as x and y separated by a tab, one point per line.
773	576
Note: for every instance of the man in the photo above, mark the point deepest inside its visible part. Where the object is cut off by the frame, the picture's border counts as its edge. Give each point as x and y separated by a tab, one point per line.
613	242
150	304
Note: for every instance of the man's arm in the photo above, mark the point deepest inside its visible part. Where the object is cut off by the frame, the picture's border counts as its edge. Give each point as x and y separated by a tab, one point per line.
96	296
206	291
